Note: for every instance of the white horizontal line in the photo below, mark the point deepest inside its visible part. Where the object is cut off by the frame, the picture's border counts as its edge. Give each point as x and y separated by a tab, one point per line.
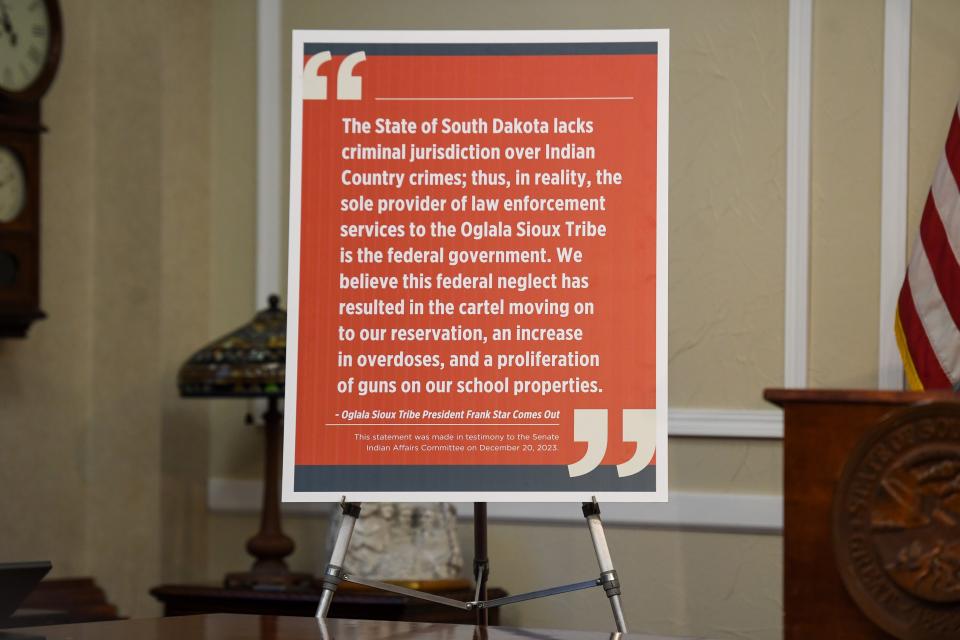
726	423
747	513
503	99
700	423
442	424
753	513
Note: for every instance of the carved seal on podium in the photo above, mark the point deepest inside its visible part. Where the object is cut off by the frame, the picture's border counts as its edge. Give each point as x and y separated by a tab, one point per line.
896	523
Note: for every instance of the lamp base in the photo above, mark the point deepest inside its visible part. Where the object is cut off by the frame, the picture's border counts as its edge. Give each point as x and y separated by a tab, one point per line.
262	581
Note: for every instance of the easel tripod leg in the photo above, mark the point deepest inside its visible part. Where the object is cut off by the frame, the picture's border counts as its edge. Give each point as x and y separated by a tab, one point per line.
333	574
608	575
481	563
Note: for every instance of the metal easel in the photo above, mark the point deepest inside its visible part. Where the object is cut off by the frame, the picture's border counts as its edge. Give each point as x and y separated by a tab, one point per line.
334	573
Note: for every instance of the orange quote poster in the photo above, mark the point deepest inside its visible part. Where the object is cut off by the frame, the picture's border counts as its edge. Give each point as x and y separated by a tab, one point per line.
478	236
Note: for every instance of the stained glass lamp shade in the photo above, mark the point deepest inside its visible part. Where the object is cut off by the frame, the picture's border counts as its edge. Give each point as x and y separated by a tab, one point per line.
248	362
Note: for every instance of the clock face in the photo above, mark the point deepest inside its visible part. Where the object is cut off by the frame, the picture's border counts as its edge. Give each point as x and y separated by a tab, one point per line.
24	42
13	185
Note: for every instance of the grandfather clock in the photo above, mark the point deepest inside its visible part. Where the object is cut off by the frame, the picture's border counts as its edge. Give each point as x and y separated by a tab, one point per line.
30	40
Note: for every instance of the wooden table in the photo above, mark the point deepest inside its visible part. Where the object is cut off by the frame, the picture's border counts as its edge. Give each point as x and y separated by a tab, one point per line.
240	627
179	600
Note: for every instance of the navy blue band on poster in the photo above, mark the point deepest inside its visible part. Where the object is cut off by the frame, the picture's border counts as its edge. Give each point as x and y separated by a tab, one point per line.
486	478
484	48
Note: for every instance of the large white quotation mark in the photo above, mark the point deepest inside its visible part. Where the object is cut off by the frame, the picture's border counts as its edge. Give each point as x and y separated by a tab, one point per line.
590	426
314	84
349	87
640	426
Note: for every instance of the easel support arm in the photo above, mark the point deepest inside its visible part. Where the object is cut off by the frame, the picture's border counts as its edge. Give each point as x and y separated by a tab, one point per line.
533	595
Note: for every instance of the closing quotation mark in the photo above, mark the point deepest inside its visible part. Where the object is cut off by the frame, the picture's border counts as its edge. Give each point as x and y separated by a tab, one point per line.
590	426
349	86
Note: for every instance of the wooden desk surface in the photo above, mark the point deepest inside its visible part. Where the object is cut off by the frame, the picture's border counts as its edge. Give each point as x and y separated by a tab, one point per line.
228	626
199	599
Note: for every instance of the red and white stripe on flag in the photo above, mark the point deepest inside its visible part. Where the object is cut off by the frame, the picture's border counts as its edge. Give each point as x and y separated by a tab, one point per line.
928	311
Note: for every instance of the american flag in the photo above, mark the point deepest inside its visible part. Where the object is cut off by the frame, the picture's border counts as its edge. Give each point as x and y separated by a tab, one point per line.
928	311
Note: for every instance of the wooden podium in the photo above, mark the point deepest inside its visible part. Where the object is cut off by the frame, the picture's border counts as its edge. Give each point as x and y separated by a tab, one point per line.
822	428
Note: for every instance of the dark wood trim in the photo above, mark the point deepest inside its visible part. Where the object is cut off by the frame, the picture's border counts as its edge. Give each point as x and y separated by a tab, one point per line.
20	237
16	325
780	397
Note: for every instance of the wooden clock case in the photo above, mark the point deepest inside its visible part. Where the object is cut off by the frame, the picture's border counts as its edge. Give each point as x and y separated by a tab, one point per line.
20	130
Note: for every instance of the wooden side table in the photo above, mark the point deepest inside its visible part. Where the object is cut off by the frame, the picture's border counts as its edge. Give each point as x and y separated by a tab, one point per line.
179	600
